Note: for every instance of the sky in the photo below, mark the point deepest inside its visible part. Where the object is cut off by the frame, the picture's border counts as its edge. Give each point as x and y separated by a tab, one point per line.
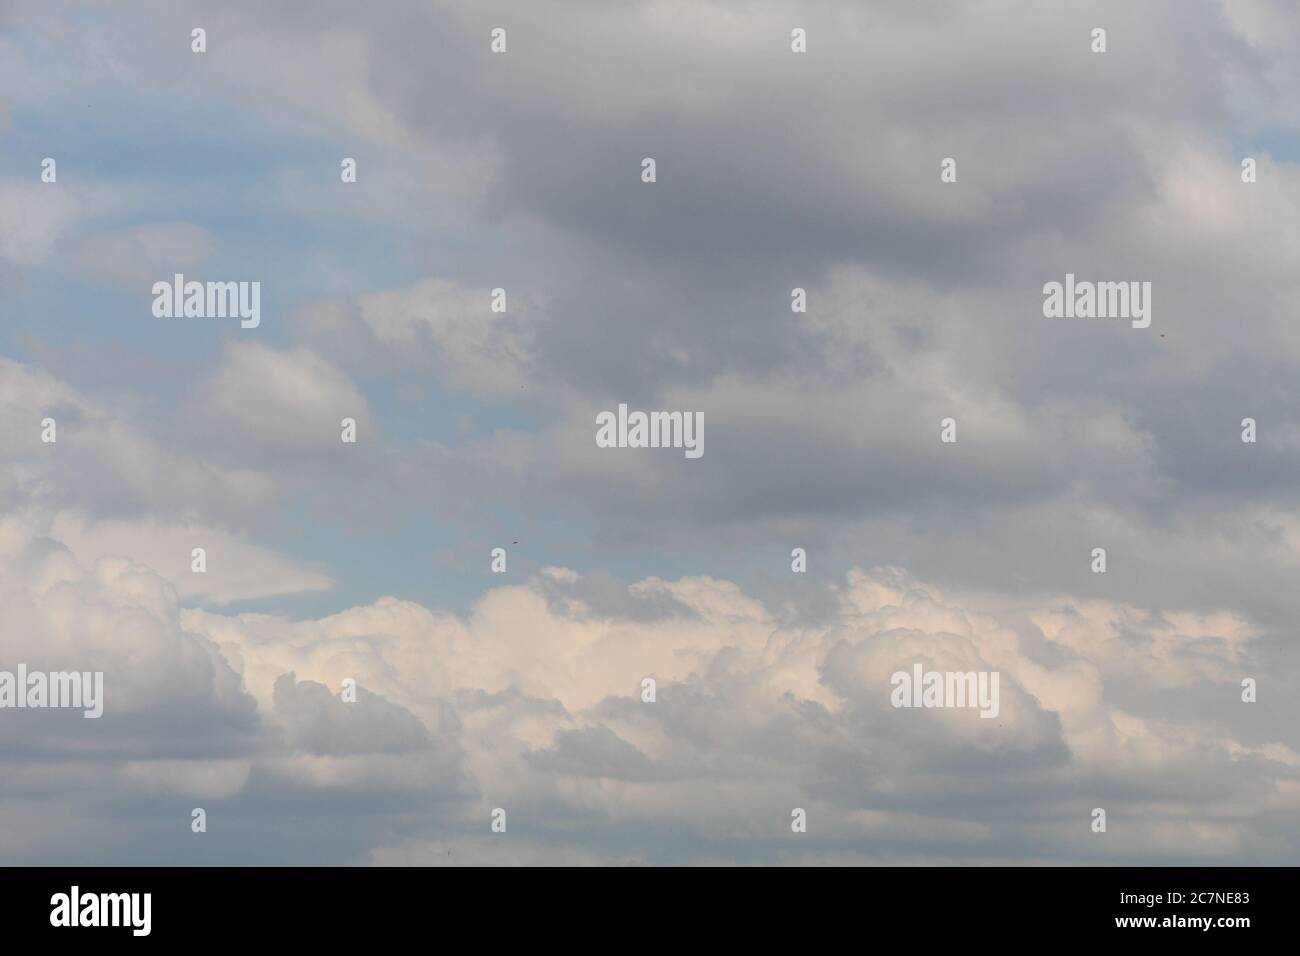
330	562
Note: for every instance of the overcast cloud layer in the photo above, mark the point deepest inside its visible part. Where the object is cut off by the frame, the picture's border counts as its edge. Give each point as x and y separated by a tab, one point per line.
370	561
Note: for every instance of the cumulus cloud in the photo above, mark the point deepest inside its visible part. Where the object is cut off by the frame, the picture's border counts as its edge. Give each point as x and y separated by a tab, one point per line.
179	729
532	702
119	617
753	718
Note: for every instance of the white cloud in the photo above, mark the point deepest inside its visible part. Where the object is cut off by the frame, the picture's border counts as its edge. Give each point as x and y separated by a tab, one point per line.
454	327
286	400
547	696
178	728
237	570
104	460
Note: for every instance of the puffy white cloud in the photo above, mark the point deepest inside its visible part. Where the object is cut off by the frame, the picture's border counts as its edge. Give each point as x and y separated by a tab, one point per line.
754	717
179	728
533	702
166	692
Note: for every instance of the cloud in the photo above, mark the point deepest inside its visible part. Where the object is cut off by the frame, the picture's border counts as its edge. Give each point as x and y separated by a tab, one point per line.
532	702
283	401
319	723
109	456
763	717
456	331
179	729
236	570
31	222
167	692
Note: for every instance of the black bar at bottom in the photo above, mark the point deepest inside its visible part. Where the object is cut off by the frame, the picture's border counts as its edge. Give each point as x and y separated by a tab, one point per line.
618	908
